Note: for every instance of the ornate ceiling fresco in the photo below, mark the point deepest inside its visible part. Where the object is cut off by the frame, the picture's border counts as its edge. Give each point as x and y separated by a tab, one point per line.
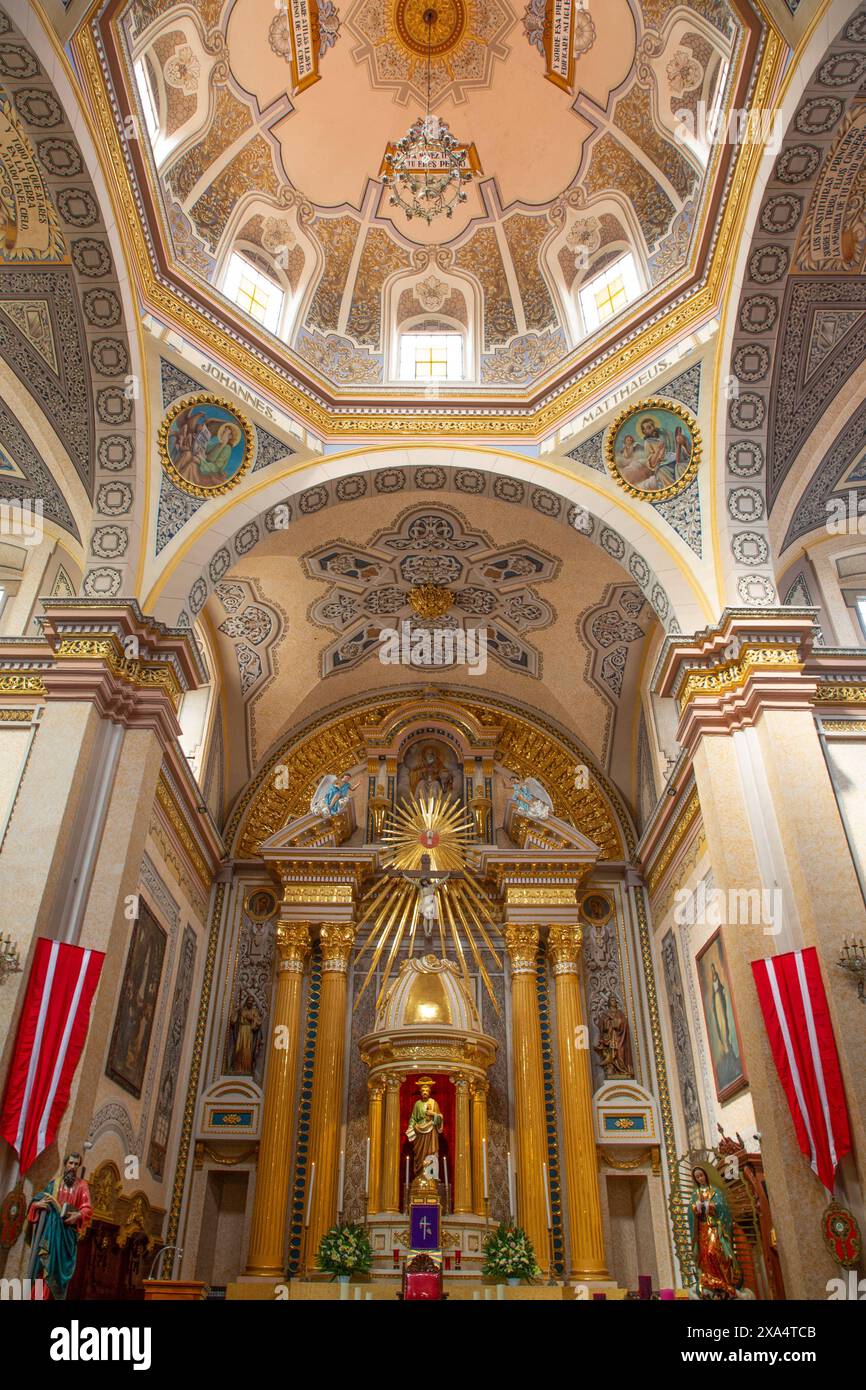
279	156
800	332
297	621
62	326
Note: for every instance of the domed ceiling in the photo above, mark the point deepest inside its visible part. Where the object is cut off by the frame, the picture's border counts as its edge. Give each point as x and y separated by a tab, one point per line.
263	130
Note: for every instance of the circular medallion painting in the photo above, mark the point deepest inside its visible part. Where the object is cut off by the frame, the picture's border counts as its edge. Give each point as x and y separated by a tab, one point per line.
206	445
653	449
261	904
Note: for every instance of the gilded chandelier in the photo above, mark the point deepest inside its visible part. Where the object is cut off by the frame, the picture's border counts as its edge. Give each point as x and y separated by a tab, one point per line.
426	170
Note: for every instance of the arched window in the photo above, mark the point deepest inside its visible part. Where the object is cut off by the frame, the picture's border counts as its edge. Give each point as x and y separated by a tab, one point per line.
253	290
605	295
431	352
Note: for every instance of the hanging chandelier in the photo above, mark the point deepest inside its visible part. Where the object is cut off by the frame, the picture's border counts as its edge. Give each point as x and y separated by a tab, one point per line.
426	170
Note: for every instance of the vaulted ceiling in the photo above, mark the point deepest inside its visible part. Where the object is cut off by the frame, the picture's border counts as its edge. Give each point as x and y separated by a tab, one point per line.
576	164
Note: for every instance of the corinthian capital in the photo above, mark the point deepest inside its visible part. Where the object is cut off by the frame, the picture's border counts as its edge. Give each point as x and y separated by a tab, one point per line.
563	947
293	945
337	939
521	942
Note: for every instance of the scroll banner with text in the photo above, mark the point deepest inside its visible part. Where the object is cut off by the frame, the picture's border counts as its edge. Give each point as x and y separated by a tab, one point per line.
304	31
559	42
50	1039
797	1018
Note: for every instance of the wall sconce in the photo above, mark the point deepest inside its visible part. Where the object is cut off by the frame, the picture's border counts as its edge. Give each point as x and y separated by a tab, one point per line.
10	963
853	958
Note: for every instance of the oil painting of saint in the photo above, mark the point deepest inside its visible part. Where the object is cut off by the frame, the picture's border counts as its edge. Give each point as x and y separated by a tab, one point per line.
653	450
139	991
721	1023
205	445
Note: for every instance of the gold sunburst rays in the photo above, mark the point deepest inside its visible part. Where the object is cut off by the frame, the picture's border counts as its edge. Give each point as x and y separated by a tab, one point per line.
434	825
461	915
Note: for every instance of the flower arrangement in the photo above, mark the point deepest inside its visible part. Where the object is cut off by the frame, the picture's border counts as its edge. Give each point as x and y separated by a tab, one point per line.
508	1254
345	1249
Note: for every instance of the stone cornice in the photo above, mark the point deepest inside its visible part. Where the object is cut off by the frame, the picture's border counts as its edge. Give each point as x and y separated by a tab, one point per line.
722	677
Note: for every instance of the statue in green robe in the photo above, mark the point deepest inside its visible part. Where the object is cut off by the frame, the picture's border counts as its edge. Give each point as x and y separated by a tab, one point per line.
425	1126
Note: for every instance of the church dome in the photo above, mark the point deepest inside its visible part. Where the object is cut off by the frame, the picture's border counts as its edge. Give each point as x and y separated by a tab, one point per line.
428	992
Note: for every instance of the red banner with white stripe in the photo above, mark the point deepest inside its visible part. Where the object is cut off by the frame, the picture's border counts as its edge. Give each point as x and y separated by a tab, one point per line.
794	1005
51	1034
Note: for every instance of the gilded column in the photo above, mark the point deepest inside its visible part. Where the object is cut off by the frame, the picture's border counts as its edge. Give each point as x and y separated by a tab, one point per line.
267	1236
478	1092
530	1129
391	1157
462	1161
586	1243
328	1072
375	1090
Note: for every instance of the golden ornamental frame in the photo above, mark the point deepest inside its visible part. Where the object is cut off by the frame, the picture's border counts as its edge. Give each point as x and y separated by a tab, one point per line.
635	408
175	409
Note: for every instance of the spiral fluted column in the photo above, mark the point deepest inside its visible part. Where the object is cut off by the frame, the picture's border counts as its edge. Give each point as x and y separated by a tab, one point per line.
268	1229
478	1092
376	1091
462	1160
530	1138
391	1157
586	1243
328	1073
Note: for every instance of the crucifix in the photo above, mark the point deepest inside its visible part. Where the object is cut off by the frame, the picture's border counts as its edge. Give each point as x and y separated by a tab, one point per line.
427	880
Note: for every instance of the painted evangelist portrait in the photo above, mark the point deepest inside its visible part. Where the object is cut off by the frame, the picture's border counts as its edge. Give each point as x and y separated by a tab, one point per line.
729	1072
133	1022
653	449
205	444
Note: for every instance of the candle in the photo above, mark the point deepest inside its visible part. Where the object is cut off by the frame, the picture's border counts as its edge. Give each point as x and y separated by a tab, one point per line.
310	1194
447	1262
445	1165
458	1256
484	1162
357	1293
500	1293
547	1196
476	1295
396	1258
488	1293
407	1180
666	1295
644	1286
367	1170
341	1182
344	1293
510	1166
368	1296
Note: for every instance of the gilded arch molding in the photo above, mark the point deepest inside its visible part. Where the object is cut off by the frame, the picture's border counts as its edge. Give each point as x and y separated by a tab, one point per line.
528	744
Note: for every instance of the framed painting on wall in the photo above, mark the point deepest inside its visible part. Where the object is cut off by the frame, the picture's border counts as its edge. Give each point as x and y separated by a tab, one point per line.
139	991
729	1072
